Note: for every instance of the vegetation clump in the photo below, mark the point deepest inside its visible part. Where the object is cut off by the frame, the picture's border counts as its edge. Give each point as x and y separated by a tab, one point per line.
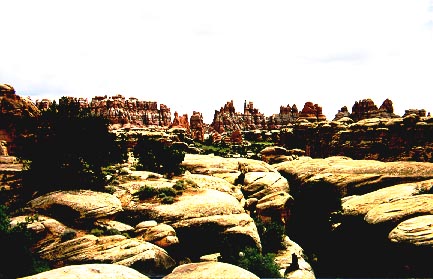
166	194
68	234
158	156
66	148
17	242
262	265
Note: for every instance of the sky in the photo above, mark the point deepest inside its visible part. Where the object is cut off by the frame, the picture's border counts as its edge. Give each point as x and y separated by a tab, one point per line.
197	55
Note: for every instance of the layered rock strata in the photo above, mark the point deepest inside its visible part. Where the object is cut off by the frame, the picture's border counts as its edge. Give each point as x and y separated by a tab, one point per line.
386	139
365	109
121	111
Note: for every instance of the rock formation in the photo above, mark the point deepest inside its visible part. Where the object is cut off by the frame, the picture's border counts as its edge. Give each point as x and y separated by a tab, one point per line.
381	210
197	126
364	109
312	112
180	121
343	112
13	110
3	148
210	270
140	113
386	139
227	119
287	115
91	271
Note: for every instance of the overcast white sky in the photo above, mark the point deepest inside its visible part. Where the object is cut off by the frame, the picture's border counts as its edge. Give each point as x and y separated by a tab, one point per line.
196	55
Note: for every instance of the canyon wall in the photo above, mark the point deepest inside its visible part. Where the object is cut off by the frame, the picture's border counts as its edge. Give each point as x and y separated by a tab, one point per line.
386	139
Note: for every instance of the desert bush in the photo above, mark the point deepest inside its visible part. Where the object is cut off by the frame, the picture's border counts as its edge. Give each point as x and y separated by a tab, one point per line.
167	200
167	191
97	232
271	235
67	147
166	194
146	192
68	234
158	156
263	266
17	242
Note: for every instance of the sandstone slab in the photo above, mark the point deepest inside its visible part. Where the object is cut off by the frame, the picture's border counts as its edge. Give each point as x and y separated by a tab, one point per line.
360	205
77	205
353	177
107	249
210	164
90	271
397	210
215	270
259	184
417	231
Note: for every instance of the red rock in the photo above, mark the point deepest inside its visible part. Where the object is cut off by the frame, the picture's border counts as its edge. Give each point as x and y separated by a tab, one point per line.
312	112
197	126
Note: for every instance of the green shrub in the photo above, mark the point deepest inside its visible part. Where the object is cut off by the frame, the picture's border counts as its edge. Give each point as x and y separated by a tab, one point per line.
179	185
17	242
110	189
158	156
263	266
271	235
112	231
168	191
97	232
68	234
67	147
182	184
146	192
167	200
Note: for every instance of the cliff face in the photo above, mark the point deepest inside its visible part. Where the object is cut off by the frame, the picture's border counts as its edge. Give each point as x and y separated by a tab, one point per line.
365	109
287	115
13	110
228	120
133	111
385	139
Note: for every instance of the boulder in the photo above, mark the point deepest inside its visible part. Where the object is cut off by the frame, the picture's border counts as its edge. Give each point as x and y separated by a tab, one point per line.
90	271
3	148
210	164
292	261
259	184
108	249
360	205
115	225
398	210
275	205
417	231
352	177
201	181
79	205
162	235
202	218
215	270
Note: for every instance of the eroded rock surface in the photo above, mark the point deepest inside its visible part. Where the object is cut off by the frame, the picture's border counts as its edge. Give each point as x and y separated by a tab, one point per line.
77	205
90	271
108	249
210	270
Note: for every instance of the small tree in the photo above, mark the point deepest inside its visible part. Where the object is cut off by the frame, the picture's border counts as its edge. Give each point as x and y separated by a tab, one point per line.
67	147
262	265
158	156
